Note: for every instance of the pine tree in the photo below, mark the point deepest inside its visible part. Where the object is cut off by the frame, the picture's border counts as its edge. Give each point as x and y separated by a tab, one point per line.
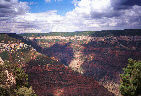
131	79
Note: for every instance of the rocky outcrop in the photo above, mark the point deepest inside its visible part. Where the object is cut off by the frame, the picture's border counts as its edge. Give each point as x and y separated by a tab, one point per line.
58	80
10	81
1	61
8	76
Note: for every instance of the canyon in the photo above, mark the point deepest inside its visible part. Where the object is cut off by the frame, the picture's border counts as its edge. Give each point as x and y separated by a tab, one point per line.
100	57
81	64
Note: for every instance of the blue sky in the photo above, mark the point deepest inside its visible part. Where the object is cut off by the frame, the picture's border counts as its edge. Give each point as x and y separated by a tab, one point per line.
42	6
23	16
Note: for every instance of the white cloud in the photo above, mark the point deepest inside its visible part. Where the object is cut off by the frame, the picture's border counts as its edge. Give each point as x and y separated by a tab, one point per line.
11	8
88	15
96	15
44	21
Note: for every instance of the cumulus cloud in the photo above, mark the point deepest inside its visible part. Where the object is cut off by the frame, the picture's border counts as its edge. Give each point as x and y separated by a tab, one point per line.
45	21
103	15
11	8
88	15
106	14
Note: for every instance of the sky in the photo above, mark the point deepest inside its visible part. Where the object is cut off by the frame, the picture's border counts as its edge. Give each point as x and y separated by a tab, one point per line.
29	16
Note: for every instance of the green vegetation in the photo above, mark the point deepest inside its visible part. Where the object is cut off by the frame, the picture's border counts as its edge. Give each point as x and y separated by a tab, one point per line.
126	32
4	55
25	91
5	38
131	79
65	34
19	85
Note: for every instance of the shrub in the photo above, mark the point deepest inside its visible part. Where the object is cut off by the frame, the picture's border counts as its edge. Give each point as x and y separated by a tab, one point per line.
21	88
131	79
24	91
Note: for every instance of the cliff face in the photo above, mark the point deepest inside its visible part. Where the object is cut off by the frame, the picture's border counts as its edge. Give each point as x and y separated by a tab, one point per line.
53	79
99	57
105	59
